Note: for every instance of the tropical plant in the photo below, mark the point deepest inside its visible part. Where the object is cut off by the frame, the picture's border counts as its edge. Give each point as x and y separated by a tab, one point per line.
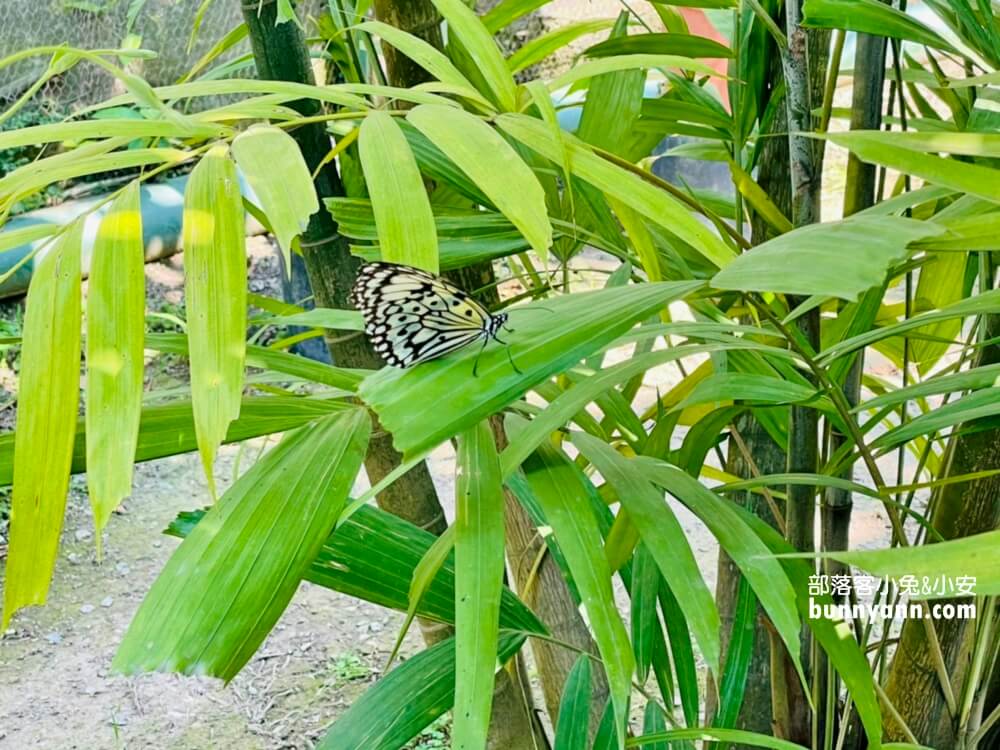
478	171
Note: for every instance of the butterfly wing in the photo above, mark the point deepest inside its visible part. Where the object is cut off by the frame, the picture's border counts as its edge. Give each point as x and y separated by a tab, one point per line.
412	316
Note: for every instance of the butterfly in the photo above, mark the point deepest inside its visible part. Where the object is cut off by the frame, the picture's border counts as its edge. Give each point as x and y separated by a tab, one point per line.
412	316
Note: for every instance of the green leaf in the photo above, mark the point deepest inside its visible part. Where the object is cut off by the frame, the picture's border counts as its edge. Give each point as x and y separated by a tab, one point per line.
465	25
493	166
394	710
764	574
399	200
653	722
711	733
423	54
224	588
116	301
273	165
591	68
875	148
536	50
686	45
983	403
973	556
109	128
649	201
871	17
48	395
663	536
574	707
11	238
424	405
507	11
643	596
737	386
374	556
479	565
982	376
835	636
738	656
271	359
840	259
558	489
215	288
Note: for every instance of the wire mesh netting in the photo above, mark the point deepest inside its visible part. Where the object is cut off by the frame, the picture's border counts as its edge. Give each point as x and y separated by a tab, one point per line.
163	26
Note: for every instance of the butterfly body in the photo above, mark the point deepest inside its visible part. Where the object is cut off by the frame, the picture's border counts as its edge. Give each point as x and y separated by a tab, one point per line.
412	316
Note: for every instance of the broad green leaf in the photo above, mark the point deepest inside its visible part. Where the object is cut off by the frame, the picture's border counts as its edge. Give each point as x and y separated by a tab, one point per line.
116	301
465	25
574	708
983	376
479	566
558	489
424	405
649	201
643	596
839	259
169	430
764	574
273	165
423	54
109	128
875	148
723	387
717	4
11	238
271	359
536	50
394	710
836	637
709	734
973	556
663	536
987	302
399	199
686	45
983	403
48	395
374	556
493	166
215	289
941	282
738	656
759	199
224	588
509	10
591	68
872	17
321	317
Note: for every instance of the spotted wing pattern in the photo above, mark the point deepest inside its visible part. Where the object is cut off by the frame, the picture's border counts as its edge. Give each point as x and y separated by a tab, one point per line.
412	316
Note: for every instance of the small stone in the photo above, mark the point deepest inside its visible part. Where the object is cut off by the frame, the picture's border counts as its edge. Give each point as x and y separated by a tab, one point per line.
83	535
86	609
157	543
123	569
107	602
74	558
375	627
54	638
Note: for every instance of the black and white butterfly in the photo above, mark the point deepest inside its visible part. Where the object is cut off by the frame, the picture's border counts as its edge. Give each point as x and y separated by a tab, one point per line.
412	316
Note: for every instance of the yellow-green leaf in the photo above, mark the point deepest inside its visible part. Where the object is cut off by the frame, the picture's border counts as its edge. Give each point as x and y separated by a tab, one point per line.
479	569
49	392
467	28
273	165
116	299
406	230
493	165
649	201
215	286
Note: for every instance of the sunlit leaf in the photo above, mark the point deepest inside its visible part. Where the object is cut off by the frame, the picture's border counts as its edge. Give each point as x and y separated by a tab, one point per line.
272	163
221	592
116	300
48	395
399	200
215	289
